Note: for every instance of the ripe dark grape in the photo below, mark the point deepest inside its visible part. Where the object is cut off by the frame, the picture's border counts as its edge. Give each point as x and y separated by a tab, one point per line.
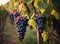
11	18
56	25
21	27
16	15
40	20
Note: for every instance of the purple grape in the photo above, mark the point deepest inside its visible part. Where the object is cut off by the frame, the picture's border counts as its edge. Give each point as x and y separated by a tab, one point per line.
40	20
21	27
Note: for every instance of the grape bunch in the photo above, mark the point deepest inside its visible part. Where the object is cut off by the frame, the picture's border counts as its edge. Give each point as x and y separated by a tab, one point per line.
40	20
11	18
21	26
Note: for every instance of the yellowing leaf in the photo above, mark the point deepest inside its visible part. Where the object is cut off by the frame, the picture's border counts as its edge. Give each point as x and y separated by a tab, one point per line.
36	3
27	15
42	10
32	23
45	35
15	4
53	12
22	8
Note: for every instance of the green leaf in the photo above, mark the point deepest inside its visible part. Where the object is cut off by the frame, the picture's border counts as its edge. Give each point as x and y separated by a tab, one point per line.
27	1
42	5
48	10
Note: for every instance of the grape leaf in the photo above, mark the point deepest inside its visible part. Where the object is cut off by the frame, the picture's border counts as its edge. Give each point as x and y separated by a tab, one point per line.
42	5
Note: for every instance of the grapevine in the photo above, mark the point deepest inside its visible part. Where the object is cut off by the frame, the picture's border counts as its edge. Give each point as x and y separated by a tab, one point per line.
40	15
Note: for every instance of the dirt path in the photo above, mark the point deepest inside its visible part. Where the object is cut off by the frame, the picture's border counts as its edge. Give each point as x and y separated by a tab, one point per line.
10	36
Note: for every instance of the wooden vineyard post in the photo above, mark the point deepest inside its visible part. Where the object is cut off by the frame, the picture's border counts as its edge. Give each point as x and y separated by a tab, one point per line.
39	37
